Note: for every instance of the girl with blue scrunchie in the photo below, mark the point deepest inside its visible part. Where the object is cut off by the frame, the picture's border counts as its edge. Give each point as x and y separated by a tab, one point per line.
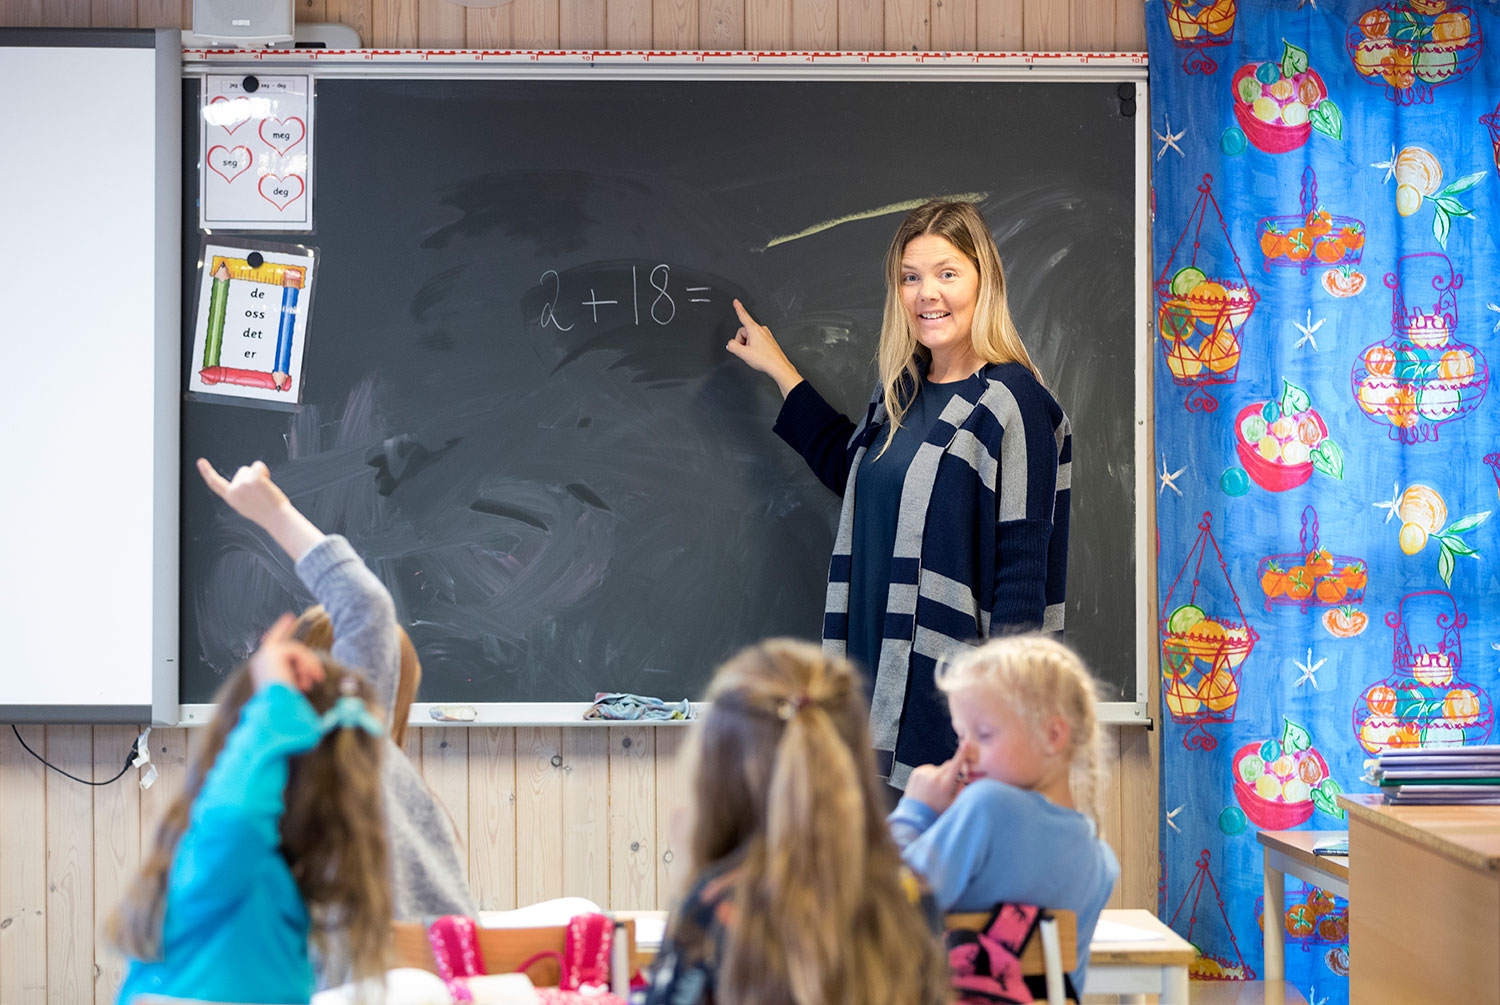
276	842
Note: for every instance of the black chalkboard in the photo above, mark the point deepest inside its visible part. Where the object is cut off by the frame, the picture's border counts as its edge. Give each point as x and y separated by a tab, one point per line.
517	402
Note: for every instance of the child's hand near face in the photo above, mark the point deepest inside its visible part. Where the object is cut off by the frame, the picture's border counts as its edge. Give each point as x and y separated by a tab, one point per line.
282	659
937	785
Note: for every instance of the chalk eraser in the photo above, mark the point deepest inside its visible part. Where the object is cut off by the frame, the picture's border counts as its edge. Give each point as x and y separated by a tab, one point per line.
453	713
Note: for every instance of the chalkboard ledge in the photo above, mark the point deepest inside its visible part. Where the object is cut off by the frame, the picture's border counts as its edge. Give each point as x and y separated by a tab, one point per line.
570	713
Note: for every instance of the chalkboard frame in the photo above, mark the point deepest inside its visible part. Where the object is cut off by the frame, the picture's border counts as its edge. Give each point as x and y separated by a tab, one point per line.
526	65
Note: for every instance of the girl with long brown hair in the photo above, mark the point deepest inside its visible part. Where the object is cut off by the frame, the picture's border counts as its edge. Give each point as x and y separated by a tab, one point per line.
276	843
798	896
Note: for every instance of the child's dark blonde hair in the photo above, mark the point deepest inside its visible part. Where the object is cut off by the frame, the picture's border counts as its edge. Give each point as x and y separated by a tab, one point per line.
1038	677
332	832
785	775
314	628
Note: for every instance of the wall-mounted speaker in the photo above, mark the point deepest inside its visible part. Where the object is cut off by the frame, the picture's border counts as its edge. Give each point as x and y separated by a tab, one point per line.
243	22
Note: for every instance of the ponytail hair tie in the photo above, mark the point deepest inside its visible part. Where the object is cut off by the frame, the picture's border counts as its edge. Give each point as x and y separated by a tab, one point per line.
349	712
791	706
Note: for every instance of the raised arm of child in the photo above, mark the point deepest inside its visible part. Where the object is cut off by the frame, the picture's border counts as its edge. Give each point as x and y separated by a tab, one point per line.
357	602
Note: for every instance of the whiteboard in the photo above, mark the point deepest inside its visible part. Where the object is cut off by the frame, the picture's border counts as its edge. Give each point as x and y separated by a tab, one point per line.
90	192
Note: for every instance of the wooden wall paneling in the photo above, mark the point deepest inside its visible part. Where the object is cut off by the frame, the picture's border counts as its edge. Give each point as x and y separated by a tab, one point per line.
583	24
1091	26
1130	26
165	14
491	838
815	25
539	814
908	25
117	846
440	24
768	25
112	14
311	11
721	24
632	817
1110	810
70	866
359	15
1000	26
535	24
671	802
585	812
628	24
23	869
674	25
169	752
488	27
413	746
1046	26
394	24
1139	835
954	25
861	25
445	769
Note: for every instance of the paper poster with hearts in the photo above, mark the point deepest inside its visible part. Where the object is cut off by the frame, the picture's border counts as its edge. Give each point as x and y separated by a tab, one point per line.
256	137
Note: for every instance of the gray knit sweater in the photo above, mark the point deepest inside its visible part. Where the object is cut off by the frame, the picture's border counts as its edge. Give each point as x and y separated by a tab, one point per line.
427	878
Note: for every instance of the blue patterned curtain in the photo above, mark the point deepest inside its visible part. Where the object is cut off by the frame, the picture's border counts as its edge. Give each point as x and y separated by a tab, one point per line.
1326	305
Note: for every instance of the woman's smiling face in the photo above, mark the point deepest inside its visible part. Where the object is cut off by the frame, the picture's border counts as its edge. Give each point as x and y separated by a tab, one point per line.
939	287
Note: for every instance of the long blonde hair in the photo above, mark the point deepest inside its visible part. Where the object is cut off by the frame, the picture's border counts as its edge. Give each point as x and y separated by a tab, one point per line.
994	337
785	777
1039	677
332	833
315	629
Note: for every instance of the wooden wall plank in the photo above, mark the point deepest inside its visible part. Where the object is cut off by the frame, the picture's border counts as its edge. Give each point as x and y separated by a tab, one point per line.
768	25
1130	26
632	817
440	25
491	840
674	25
488	27
672	790
535	24
359	15
445	769
70	866
112	14
539	814
955	25
1046	26
861	25
23	869
721	24
413	747
1091	25
162	14
583	24
908	25
1109	795
394	24
815	25
169	752
117	846
628	24
999	26
585	813
311	11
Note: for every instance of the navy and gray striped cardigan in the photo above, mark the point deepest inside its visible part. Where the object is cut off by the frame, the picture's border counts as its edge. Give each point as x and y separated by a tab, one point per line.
981	540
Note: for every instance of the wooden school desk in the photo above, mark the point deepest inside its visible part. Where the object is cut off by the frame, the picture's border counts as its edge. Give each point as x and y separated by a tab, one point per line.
1424	903
1292	852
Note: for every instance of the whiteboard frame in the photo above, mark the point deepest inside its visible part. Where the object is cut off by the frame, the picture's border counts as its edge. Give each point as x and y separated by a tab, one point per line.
648	64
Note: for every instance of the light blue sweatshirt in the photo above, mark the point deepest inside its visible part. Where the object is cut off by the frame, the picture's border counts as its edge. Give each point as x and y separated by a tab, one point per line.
235	927
1000	843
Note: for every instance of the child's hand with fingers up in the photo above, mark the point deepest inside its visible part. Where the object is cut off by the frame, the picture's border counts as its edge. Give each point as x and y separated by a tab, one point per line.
282	659
938	785
253	495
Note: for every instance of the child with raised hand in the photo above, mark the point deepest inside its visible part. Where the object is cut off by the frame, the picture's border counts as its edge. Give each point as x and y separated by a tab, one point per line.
798	894
276	839
1011	816
356	621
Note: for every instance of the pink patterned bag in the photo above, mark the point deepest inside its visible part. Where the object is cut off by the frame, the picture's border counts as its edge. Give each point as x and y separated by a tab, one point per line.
985	964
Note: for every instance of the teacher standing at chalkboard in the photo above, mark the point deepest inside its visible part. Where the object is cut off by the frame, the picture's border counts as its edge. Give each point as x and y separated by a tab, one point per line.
954	524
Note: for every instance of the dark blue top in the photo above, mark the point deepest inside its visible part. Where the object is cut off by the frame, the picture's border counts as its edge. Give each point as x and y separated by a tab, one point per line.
877	503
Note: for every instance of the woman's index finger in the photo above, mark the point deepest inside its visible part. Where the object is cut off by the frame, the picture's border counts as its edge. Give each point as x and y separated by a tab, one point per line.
745	318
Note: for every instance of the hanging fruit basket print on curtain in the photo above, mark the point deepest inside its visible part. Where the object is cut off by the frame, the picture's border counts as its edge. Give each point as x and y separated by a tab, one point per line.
1312	237
1414	46
1314	918
1491	121
1279	104
1425	702
1282	441
1203	301
1204	642
1197	26
1278	782
1420	375
1209	966
1312	576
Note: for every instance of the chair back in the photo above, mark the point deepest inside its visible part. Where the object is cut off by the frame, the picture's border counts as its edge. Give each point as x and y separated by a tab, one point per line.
1051	952
505	949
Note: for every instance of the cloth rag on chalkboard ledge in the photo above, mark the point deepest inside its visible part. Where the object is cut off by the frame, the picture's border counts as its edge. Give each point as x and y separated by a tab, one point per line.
636	706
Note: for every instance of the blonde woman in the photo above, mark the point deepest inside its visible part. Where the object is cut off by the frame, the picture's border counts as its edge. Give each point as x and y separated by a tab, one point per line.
1012	816
956	483
798	896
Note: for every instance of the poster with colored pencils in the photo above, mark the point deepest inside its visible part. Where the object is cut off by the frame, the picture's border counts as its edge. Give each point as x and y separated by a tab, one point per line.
251	323
256	140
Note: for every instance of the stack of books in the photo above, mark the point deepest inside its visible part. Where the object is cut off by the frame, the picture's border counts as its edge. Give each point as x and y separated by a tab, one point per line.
1434	776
